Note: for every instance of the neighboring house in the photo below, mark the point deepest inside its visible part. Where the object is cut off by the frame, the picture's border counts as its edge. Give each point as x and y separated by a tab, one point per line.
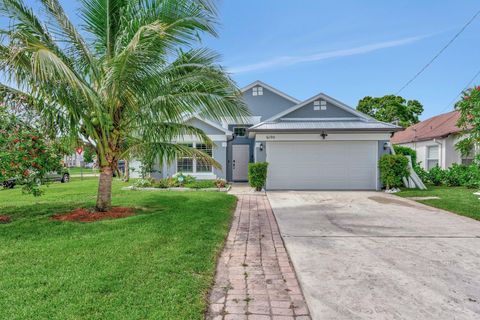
319	143
434	140
73	160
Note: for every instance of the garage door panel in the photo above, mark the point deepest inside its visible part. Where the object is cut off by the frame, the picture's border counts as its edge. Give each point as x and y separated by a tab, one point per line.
341	165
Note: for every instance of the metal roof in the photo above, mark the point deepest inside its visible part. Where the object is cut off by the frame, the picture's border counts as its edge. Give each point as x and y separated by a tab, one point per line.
325	125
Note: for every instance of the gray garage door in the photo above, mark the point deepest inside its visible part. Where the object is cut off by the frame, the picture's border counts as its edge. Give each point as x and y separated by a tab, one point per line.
317	165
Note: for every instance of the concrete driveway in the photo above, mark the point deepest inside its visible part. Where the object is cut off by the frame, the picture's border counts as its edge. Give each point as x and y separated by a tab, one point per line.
369	255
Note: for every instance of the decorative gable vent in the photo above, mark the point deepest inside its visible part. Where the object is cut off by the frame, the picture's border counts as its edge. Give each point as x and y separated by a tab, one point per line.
319	105
257	91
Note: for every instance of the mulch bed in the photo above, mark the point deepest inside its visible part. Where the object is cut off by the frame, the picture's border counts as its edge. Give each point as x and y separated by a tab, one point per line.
90	215
5	219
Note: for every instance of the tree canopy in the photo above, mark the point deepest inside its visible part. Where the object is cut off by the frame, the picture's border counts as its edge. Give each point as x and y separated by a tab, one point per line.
131	81
392	109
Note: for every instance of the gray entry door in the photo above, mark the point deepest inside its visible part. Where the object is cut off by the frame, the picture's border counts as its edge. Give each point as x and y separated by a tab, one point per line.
240	157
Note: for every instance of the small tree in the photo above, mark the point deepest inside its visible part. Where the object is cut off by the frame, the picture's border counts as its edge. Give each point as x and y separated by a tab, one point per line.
393	168
25	155
391	109
257	174
469	121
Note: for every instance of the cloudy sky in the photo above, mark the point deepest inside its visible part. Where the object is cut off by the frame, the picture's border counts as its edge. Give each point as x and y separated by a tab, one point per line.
349	48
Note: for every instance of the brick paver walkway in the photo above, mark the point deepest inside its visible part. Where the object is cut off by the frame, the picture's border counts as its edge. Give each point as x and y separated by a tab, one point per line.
255	279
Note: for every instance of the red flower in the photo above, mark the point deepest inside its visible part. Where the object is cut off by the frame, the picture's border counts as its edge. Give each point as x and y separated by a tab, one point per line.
478	88
26	173
466	98
34	138
16	140
469	117
24	158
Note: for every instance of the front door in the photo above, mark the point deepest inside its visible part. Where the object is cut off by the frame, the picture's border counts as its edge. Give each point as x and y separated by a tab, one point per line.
240	159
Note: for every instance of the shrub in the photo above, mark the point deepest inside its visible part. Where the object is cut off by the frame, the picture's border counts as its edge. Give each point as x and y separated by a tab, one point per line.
186	179
201	184
436	176
143	183
167	183
456	175
422	174
257	174
392	169
406	151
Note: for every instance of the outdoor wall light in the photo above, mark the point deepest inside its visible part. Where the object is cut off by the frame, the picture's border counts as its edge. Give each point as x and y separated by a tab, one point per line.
386	146
261	146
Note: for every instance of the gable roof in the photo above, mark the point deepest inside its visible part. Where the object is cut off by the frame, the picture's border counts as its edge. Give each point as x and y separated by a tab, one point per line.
439	126
360	121
209	122
276	91
325	97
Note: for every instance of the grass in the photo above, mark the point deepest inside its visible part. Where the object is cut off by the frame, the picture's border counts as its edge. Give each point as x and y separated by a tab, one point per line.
459	200
78	170
158	264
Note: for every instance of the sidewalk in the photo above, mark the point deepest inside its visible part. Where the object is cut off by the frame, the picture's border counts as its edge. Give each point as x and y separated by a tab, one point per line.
255	279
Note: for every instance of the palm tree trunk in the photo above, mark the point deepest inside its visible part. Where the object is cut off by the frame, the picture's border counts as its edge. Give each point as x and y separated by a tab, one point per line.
104	194
127	171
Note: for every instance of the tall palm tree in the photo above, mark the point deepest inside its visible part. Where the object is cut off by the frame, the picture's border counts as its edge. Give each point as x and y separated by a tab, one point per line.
129	76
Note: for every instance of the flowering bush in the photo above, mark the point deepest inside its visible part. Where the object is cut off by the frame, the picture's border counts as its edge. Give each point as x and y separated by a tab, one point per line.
469	108
25	155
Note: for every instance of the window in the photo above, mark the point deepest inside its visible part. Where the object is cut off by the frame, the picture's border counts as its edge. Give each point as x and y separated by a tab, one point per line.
323	105
239	131
257	91
185	164
192	165
319	105
432	157
200	164
468	160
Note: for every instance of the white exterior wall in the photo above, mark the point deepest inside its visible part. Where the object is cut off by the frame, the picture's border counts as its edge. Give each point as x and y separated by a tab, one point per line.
448	155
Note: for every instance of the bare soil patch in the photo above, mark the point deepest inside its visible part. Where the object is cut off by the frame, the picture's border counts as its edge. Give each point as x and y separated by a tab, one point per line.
90	215
5	219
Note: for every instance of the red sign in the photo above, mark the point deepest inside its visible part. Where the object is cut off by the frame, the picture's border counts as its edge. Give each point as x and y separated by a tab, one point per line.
79	150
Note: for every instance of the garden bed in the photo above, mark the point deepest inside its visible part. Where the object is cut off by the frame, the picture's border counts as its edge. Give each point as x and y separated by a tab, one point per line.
224	189
179	182
90	215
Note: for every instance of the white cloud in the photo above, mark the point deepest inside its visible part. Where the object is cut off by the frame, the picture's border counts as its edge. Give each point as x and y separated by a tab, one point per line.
292	60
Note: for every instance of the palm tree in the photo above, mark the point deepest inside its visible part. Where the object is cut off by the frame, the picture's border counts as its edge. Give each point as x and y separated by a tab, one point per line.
129	76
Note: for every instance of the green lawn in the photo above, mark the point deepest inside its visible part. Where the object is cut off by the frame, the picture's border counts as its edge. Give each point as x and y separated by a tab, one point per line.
158	264
455	199
77	170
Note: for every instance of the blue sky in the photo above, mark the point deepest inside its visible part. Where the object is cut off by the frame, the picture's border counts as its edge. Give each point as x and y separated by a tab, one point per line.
349	48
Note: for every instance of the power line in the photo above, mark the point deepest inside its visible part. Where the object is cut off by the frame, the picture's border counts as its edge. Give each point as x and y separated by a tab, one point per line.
464	88
439	53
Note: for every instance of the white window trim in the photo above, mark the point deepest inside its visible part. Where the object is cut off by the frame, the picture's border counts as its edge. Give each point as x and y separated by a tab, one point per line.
427	159
194	163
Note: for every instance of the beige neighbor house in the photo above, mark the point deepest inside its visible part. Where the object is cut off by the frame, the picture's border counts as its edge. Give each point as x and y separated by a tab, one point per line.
434	140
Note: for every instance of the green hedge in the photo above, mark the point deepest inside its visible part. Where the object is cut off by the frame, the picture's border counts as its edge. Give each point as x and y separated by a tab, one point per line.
406	151
455	176
257	174
393	167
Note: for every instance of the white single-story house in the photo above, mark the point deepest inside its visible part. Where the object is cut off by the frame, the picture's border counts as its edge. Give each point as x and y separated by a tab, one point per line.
319	143
434	141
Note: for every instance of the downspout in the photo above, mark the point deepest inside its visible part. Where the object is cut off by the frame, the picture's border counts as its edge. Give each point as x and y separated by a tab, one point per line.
440	158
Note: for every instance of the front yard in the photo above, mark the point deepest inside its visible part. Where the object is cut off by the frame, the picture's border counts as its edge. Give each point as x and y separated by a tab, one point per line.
459	200
157	264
